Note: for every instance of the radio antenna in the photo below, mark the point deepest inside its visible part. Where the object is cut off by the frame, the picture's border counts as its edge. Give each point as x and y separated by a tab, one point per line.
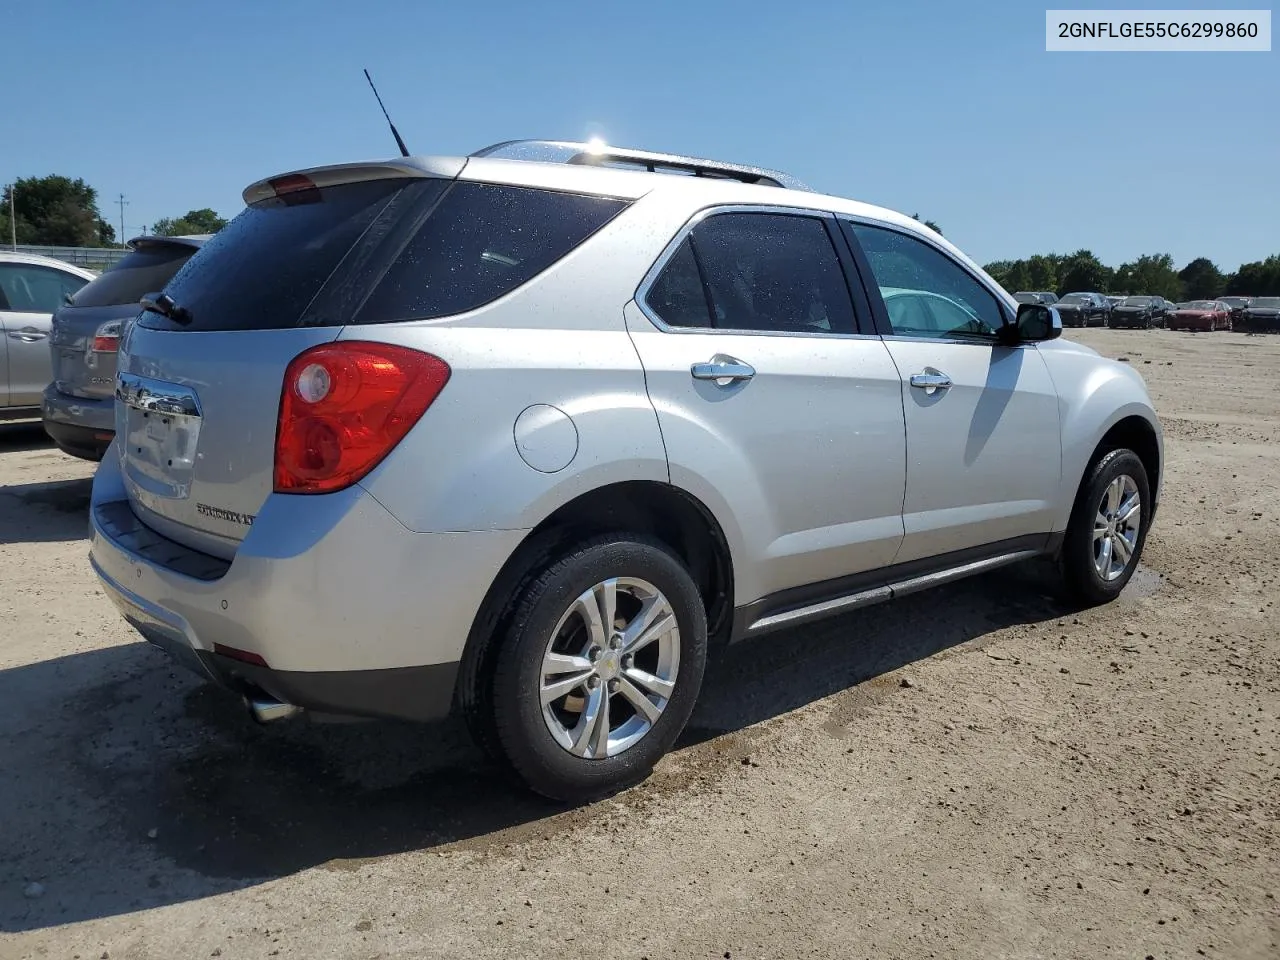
404	151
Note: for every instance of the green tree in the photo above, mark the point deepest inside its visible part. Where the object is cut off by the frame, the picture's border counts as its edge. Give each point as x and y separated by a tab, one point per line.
1258	279
55	211
1042	272
1201	280
1084	272
1151	275
928	223
193	221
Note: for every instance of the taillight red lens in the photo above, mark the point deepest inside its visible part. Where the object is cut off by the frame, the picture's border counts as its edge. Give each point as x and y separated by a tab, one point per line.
344	406
106	344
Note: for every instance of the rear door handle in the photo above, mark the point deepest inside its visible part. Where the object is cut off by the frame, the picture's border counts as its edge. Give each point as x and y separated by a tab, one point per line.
723	370
28	334
930	382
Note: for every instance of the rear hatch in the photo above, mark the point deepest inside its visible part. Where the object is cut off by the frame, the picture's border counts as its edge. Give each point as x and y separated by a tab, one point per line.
201	375
86	332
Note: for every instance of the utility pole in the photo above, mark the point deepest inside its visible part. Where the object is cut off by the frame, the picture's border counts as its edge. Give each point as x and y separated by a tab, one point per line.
13	217
123	203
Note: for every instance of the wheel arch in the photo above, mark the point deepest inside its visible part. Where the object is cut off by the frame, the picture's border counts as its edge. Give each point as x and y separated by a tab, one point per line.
662	511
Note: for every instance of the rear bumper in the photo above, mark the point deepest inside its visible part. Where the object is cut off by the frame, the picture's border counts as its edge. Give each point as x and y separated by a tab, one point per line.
340	607
80	427
421	693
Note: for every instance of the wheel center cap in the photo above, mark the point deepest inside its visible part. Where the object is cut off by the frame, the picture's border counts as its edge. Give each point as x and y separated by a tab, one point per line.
607	665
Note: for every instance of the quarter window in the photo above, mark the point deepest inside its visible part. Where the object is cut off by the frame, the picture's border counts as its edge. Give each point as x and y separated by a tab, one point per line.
952	304
766	272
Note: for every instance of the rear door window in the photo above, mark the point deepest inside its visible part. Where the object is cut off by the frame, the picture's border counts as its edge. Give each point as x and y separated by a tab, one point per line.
145	270
768	272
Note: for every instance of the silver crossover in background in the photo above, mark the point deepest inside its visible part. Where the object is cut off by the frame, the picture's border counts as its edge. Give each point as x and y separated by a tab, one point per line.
79	405
524	434
31	289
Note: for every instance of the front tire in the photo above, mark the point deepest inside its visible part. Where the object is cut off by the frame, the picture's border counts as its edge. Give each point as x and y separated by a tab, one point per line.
600	668
1108	528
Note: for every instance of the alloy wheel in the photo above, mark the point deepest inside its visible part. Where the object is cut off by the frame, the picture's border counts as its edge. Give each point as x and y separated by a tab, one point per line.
610	668
1116	526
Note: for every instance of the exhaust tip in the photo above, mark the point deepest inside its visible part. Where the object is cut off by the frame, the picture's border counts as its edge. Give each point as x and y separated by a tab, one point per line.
266	710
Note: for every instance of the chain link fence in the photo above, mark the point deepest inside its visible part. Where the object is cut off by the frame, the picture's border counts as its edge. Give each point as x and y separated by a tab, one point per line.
91	258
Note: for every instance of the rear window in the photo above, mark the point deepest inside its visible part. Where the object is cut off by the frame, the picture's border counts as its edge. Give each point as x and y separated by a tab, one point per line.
480	243
396	249
262	269
141	272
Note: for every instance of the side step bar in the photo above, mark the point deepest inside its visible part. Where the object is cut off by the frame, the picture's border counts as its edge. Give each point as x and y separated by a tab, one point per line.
864	598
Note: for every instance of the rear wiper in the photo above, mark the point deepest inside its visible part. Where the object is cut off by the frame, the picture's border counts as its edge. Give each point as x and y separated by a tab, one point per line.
164	305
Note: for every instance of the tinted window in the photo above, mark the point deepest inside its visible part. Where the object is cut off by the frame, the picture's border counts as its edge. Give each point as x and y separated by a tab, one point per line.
27	288
141	272
757	271
677	296
904	265
483	241
263	268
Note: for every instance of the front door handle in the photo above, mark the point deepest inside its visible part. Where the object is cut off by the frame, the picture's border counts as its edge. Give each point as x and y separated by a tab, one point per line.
723	370
931	381
28	334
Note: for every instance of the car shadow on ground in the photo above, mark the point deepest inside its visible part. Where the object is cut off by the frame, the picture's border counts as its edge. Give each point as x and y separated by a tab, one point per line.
20	435
128	784
45	512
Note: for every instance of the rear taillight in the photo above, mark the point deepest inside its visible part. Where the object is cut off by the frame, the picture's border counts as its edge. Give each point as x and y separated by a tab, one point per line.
106	339
344	406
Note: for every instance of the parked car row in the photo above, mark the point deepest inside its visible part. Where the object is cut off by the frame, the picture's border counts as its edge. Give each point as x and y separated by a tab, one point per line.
1261	314
62	327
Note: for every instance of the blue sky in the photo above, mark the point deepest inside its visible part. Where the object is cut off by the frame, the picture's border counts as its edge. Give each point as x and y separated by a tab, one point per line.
951	109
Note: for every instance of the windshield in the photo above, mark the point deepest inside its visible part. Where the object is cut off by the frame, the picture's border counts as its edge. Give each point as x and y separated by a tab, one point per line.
1200	305
1075	298
1271	303
1137	301
1026	298
1235	301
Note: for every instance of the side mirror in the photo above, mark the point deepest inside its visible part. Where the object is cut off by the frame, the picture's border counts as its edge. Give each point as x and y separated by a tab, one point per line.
1035	322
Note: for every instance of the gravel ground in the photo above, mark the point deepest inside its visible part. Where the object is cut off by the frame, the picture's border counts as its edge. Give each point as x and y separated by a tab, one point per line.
976	772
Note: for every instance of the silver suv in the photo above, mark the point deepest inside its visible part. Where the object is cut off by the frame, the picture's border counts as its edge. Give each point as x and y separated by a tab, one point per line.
79	405
525	438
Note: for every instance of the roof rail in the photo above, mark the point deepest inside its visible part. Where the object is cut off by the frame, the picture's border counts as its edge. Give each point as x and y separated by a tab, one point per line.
599	154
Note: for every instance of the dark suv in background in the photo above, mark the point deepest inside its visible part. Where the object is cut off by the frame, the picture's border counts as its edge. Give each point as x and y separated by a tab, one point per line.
1084	310
1237	306
1036	296
79	405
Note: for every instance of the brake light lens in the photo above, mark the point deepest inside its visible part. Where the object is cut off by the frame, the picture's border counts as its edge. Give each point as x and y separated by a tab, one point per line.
106	339
344	406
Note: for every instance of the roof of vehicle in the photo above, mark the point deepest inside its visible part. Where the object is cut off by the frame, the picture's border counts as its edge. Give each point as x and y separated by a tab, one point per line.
10	256
578	176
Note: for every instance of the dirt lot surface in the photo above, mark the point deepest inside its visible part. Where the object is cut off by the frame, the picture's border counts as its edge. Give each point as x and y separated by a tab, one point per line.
976	772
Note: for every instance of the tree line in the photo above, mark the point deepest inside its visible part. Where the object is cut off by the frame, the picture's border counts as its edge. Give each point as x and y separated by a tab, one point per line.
60	212
1153	274
57	211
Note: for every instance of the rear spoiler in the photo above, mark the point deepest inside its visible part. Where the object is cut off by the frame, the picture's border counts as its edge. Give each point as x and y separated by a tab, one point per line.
445	168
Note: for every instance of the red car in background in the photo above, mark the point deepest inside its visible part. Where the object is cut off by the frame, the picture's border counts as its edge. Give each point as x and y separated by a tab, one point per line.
1201	315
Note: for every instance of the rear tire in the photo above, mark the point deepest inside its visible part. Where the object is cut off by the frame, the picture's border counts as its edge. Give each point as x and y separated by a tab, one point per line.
636	688
1108	525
